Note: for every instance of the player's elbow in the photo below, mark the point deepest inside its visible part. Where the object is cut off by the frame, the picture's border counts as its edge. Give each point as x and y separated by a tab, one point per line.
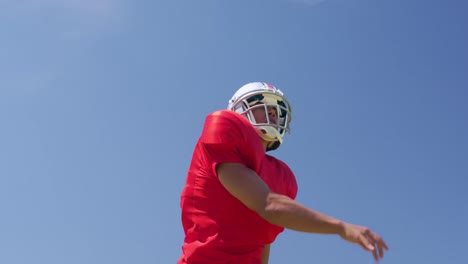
273	208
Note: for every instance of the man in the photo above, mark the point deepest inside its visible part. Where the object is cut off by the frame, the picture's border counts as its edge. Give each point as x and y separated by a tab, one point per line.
237	198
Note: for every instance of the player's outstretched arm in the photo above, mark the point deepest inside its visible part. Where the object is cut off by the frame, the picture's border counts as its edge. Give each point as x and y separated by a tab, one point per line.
251	190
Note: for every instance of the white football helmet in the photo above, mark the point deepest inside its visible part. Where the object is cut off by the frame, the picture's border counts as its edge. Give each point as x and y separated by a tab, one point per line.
260	94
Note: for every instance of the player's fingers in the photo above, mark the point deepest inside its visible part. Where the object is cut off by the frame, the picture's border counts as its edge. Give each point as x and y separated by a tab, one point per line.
376	250
384	245
365	243
381	250
376	256
379	242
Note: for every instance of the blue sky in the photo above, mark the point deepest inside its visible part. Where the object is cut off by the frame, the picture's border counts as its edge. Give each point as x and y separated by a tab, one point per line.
101	102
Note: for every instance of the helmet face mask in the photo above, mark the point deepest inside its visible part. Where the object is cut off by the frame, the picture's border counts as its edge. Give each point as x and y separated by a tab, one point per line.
253	96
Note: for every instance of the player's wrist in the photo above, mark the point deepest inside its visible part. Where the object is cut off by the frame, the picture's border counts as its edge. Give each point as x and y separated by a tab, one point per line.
341	228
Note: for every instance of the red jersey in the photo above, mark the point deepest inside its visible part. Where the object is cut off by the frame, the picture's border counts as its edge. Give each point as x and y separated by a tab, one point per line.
218	227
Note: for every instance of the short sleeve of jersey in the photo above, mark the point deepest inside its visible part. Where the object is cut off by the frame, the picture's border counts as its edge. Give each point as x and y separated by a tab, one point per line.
292	184
225	138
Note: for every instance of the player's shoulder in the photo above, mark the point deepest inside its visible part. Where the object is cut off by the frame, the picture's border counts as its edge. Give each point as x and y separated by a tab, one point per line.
228	125
224	127
226	116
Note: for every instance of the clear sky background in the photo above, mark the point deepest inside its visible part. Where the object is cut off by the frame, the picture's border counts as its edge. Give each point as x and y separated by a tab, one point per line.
102	101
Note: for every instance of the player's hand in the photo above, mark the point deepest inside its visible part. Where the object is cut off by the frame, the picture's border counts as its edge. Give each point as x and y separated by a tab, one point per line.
367	239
